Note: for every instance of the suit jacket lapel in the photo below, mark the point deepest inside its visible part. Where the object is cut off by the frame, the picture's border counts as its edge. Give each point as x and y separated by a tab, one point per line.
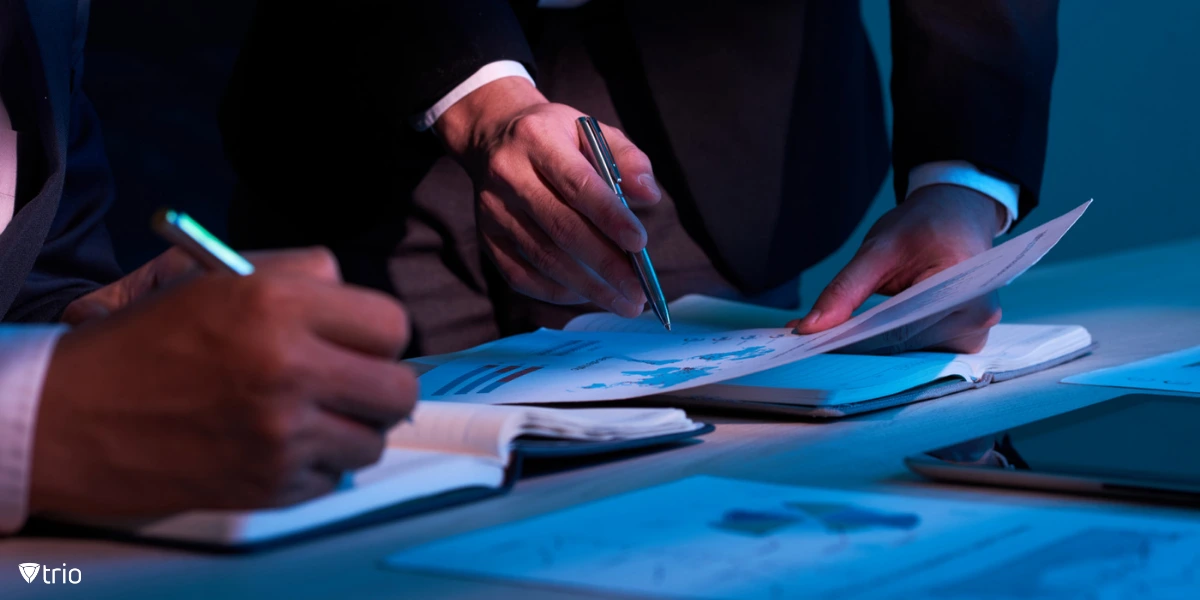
45	36
726	103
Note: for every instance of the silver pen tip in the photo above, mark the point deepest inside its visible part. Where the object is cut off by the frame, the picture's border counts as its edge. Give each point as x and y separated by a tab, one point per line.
668	326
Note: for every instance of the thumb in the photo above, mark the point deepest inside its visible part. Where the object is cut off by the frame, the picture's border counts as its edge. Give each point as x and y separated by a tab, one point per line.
85	309
637	176
848	290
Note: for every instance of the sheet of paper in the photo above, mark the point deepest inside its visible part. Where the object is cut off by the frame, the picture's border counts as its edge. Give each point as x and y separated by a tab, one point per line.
567	366
696	313
557	366
707	537
690	314
1174	372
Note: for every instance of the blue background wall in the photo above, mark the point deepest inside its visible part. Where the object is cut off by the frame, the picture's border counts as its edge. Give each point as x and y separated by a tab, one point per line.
1124	128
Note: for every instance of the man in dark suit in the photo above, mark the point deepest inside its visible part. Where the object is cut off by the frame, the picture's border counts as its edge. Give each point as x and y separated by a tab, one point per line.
213	392
763	121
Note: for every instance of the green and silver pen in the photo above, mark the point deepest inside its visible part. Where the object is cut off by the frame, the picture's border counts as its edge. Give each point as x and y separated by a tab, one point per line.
183	231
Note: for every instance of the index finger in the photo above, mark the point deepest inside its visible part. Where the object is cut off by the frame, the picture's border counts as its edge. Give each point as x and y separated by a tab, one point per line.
372	391
575	180
316	262
352	317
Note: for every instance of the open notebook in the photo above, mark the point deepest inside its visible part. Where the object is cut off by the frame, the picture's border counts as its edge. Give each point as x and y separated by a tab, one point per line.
838	385
449	454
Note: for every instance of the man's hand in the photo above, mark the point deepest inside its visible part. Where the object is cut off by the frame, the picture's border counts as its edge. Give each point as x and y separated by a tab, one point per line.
937	227
175	265
547	219
221	392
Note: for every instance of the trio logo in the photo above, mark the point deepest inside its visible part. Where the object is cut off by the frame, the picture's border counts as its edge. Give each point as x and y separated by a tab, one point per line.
30	572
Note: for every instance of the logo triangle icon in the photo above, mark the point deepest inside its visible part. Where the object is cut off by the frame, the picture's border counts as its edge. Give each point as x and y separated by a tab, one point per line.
29	571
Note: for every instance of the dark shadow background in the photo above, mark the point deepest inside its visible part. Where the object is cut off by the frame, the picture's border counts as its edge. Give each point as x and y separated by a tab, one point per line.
1124	129
156	71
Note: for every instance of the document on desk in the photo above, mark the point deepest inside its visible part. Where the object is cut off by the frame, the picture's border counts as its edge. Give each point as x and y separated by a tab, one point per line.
1174	372
569	366
707	537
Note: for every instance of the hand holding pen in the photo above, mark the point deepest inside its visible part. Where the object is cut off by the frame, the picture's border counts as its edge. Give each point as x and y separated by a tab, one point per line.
257	388
550	222
606	166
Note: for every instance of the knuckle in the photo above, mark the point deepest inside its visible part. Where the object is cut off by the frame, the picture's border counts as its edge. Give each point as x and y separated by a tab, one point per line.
519	279
393	322
562	295
500	167
562	229
542	259
400	404
580	184
526	126
260	297
875	244
321	262
276	426
613	266
272	363
838	289
408	386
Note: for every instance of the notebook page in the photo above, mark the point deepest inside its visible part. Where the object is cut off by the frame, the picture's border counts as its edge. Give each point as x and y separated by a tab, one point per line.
1010	347
840	378
605	424
471	429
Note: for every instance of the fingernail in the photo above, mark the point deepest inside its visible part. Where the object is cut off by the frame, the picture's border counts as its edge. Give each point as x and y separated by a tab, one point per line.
631	239
633	292
626	308
647	181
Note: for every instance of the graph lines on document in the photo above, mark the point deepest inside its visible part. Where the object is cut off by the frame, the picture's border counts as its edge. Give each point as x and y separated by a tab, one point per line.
484	379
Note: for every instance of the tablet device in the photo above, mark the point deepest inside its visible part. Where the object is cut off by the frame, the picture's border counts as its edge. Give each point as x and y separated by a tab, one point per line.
1139	445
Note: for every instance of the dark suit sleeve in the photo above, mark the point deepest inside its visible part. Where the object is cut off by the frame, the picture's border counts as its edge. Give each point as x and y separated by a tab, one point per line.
971	81
77	256
436	44
413	52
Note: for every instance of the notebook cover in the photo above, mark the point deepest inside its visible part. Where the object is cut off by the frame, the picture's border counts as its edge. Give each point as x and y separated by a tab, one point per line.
525	449
533	448
395	512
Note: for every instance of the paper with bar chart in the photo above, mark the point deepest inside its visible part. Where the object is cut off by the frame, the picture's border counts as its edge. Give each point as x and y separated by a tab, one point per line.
706	537
571	366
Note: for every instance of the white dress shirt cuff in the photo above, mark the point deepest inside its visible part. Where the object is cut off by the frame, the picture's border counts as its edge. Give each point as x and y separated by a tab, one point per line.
963	173
485	75
25	352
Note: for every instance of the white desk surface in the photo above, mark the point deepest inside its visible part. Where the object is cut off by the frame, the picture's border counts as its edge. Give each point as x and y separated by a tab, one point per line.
1136	304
